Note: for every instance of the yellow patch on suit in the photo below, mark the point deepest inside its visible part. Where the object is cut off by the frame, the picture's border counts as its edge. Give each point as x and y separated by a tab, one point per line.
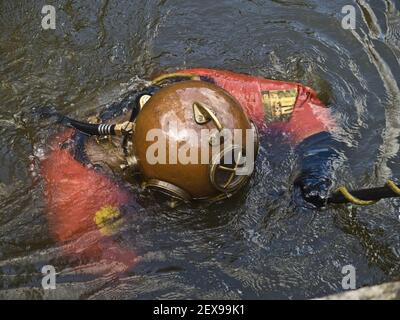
279	104
108	220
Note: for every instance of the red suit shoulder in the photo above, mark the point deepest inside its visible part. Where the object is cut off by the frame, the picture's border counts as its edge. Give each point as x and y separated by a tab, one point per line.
274	105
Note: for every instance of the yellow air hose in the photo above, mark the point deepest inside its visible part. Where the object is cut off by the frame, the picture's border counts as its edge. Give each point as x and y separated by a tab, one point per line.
349	197
354	200
164	77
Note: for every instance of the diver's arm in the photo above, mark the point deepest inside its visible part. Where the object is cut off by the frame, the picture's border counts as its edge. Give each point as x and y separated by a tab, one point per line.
317	154
310	128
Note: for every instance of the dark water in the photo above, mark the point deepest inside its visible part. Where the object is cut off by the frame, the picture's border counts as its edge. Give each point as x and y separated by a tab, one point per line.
256	246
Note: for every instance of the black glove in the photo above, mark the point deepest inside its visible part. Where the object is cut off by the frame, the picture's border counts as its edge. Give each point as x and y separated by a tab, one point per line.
317	154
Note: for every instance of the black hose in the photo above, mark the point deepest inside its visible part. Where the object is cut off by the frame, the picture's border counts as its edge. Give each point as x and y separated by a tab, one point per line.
109	129
89	128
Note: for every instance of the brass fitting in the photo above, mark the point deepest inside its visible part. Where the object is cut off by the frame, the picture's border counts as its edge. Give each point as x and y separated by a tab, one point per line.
125	128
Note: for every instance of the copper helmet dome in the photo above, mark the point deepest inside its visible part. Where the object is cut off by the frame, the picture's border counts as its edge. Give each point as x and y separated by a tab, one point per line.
191	140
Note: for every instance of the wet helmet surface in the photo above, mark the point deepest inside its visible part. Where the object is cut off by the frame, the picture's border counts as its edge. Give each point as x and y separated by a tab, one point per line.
180	141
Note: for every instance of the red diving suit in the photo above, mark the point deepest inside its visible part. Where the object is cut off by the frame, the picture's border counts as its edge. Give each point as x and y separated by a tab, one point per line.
83	208
83	202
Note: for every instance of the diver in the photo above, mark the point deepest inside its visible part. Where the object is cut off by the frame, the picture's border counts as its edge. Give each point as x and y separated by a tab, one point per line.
214	99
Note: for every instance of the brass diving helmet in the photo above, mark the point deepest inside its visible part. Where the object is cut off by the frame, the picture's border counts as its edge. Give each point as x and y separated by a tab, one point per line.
193	141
